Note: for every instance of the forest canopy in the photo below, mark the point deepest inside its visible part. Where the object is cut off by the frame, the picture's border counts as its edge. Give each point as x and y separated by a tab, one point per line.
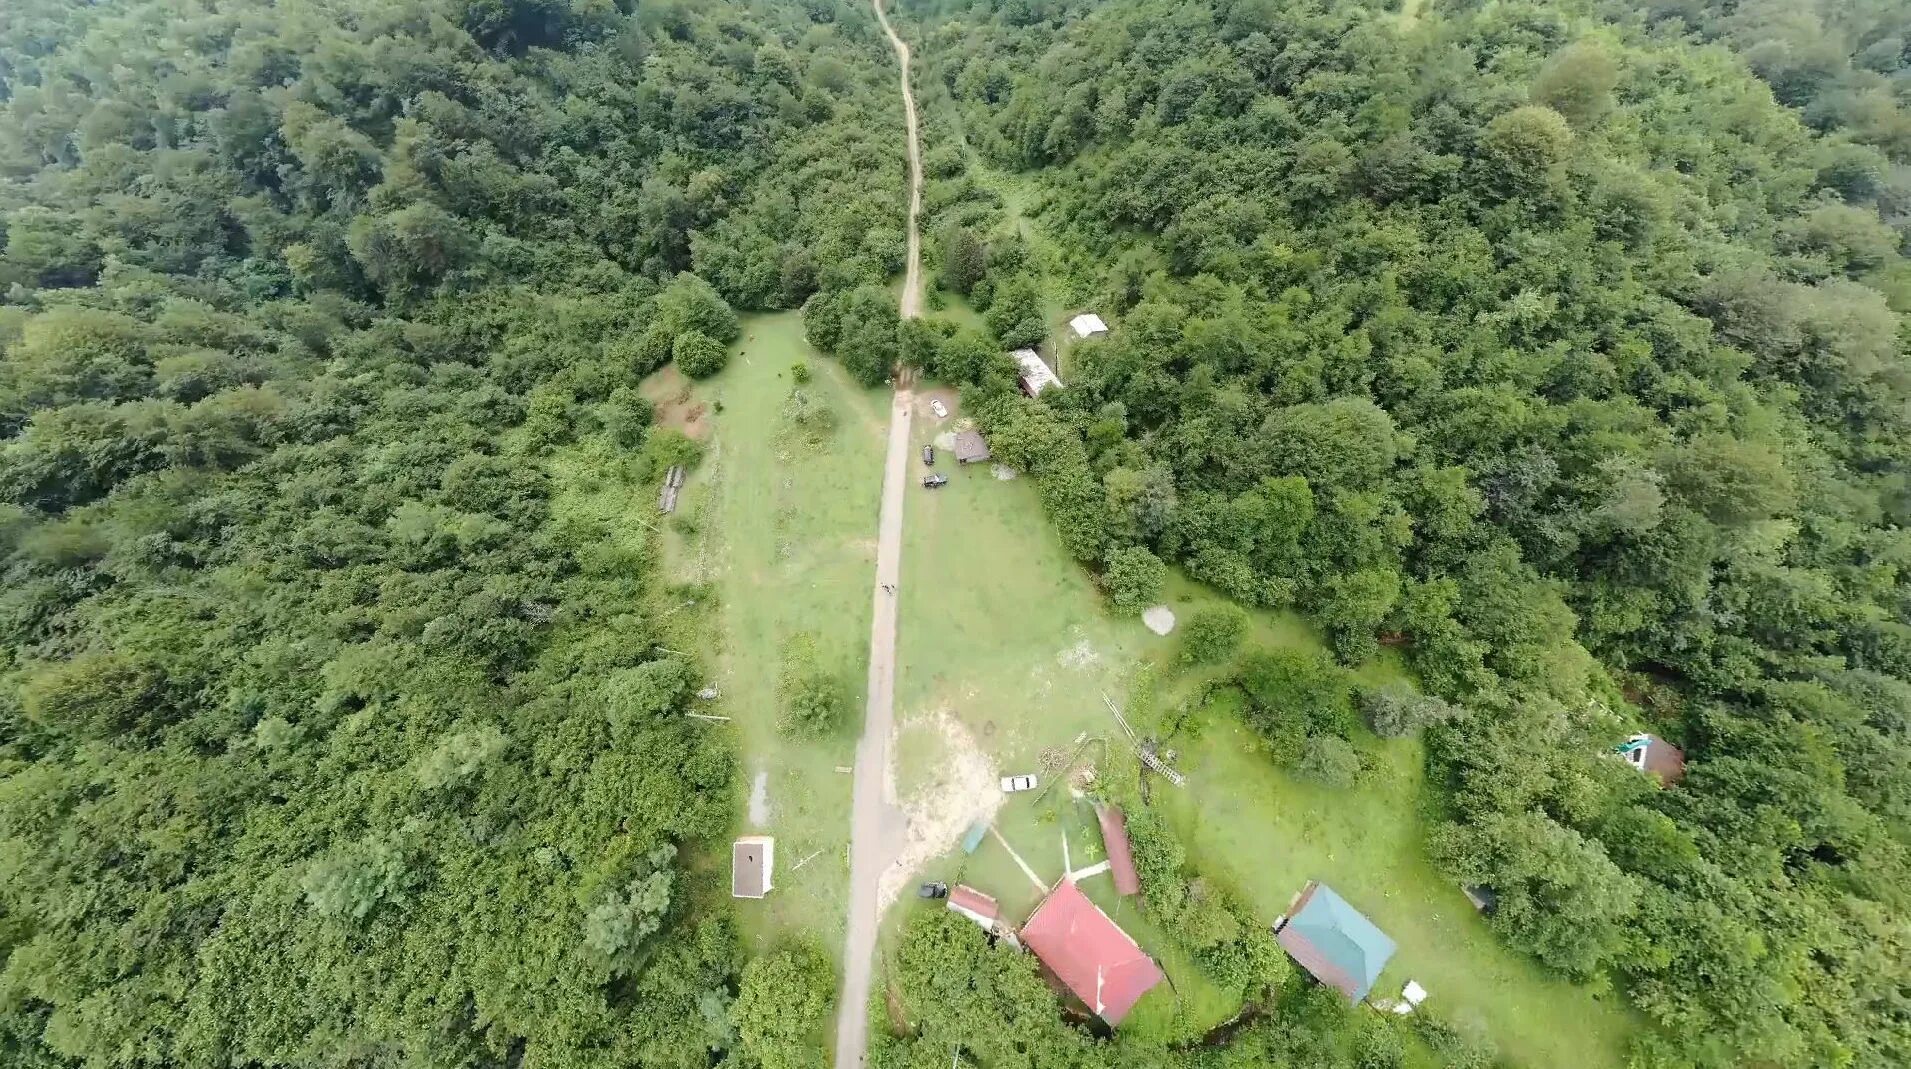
336	720
1561	347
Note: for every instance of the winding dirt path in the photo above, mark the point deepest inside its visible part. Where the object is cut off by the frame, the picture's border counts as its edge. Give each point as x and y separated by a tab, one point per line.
875	823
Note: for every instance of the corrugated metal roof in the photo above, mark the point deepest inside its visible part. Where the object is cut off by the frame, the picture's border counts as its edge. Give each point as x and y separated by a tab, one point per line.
1089	953
1336	942
1121	858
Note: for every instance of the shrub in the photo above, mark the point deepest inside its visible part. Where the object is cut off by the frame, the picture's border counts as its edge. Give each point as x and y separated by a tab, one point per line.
812	697
1213	634
800	373
1133	577
699	355
809	414
1395	711
1329	761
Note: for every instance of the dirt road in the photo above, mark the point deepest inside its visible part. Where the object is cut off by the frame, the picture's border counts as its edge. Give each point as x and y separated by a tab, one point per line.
912	271
875	823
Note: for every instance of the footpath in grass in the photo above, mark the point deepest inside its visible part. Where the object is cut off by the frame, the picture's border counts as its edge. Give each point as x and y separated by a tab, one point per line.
784	529
1006	633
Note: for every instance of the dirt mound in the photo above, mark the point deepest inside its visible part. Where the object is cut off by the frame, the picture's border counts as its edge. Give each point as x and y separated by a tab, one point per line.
965	788
669	392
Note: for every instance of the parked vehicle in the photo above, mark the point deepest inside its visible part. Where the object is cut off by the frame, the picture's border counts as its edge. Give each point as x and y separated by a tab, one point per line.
929	455
933	890
941	410
1013	784
935	481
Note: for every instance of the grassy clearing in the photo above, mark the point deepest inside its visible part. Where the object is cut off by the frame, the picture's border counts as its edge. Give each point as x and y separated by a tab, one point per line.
1266	834
1004	630
785	531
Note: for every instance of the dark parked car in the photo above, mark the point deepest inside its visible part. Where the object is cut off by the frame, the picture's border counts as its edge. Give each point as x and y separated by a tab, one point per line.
929	455
933	890
936	480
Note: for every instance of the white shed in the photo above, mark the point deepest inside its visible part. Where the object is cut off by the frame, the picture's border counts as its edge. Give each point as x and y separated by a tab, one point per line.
1088	325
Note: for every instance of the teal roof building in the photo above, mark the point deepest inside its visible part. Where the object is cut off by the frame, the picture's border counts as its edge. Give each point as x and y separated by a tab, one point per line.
1335	942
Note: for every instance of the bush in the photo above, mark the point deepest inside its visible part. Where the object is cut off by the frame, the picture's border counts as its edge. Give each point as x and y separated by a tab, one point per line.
804	411
784	997
1396	711
1329	761
800	373
1300	686
812	697
699	355
1133	578
1213	634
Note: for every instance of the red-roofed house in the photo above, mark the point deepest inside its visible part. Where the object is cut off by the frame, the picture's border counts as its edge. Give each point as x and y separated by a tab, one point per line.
1089	953
1121	857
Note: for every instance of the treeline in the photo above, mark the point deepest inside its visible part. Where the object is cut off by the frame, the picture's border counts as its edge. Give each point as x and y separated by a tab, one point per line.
1551	349
337	723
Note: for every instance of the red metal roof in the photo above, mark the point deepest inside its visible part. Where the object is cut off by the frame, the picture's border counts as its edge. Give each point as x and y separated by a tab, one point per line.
1121	859
974	901
1089	953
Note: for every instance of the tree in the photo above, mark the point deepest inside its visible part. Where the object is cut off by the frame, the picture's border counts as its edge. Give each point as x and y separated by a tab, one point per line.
1396	711
690	304
1524	148
1133	577
812	697
1577	82
964	260
1213	633
698	355
782	1002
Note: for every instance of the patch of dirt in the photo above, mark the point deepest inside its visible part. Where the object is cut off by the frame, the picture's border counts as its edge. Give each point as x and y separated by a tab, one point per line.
945	441
1159	619
677	407
863	547
1002	472
1081	655
964	788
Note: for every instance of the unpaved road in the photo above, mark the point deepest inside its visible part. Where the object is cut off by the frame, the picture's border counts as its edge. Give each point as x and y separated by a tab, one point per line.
875	823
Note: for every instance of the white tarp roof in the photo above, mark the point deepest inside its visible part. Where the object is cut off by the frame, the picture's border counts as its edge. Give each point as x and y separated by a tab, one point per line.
1035	371
1087	325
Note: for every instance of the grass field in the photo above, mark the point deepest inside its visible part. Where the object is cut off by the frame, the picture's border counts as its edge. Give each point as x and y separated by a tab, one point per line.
785	530
1003	630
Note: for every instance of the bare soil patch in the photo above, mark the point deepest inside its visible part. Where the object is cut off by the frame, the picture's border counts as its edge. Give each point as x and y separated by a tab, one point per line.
963	789
676	404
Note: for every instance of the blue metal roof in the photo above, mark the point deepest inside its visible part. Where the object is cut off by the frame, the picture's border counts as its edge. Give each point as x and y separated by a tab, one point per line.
1338	944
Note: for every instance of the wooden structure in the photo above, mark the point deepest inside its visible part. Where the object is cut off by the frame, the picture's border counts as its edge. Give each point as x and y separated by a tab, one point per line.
673	483
970	448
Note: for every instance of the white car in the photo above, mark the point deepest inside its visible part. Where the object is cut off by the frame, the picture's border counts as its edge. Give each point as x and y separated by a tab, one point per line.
1012	784
941	410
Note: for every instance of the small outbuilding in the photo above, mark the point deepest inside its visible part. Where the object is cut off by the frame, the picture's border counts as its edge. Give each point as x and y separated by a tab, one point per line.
1036	375
975	905
1088	325
1121	856
1654	756
752	864
970	448
1334	942
1089	954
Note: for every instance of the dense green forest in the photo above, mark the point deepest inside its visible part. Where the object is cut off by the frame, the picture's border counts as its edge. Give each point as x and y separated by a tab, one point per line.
1558	346
336	727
